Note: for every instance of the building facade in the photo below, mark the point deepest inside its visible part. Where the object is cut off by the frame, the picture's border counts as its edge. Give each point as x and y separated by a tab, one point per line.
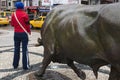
0	4
10	4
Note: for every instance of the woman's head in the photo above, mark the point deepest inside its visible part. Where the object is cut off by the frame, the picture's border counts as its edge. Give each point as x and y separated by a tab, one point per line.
19	5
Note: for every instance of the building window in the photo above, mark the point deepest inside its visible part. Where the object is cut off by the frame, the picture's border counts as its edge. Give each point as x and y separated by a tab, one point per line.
9	4
3	3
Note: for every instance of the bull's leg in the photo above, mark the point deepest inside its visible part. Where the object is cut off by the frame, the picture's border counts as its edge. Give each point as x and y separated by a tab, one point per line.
79	72
114	74
46	61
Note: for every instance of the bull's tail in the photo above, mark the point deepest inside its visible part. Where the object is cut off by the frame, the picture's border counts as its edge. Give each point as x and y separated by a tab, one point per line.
95	71
96	65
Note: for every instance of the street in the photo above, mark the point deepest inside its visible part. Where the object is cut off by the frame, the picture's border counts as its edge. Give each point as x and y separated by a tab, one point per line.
9	27
55	71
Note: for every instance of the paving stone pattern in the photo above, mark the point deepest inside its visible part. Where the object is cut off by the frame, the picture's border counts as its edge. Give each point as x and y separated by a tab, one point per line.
55	71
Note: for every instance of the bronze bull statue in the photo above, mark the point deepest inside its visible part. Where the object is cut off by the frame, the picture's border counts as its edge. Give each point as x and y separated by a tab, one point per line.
88	35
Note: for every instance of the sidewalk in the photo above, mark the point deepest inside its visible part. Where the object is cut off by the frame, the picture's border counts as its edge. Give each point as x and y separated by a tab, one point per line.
54	71
6	56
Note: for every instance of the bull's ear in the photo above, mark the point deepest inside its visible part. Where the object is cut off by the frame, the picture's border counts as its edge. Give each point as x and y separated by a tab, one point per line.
91	13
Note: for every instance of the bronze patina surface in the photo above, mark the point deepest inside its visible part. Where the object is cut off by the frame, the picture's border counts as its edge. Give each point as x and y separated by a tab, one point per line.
88	35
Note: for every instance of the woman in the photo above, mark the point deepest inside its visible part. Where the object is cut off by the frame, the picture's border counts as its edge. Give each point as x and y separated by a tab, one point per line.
20	36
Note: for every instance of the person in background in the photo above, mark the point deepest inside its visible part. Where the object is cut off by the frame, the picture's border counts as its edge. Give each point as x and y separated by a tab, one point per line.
20	36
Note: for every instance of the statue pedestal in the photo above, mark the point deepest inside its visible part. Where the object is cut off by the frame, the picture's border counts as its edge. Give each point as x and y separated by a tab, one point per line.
49	75
32	77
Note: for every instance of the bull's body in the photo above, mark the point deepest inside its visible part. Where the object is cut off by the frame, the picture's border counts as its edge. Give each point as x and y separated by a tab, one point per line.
86	34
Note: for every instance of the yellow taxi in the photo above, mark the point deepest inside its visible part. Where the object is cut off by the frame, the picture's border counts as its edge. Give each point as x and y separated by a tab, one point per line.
4	20
37	23
6	14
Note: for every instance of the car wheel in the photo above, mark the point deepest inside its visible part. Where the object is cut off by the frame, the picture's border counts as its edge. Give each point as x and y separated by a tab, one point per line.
5	24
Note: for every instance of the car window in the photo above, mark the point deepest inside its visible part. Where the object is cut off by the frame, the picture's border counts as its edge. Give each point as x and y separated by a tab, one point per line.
43	19
1	16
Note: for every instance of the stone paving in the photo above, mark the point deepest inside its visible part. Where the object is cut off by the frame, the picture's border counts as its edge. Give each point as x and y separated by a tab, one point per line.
54	71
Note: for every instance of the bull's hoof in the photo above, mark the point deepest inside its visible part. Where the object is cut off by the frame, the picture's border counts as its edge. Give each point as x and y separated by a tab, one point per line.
82	75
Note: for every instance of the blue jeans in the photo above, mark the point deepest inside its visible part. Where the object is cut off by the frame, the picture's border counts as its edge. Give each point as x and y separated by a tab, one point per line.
21	38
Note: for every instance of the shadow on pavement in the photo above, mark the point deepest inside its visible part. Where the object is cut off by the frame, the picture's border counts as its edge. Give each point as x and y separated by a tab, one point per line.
49	73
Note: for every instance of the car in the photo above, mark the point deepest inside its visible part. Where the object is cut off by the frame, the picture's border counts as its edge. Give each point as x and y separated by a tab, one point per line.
37	23
4	20
6	14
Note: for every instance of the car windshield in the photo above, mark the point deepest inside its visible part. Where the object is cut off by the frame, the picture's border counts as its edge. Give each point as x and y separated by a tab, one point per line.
39	19
2	16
